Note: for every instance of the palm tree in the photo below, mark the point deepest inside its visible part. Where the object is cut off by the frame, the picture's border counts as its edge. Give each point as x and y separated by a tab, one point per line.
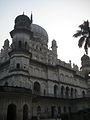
84	34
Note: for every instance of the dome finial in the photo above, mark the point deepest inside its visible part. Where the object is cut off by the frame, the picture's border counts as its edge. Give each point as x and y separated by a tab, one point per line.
31	17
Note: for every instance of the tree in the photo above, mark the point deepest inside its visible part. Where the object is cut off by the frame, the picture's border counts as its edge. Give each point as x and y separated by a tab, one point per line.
84	36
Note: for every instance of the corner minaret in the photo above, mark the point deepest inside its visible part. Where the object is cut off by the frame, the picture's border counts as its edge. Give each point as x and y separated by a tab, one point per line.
54	47
19	54
86	70
85	62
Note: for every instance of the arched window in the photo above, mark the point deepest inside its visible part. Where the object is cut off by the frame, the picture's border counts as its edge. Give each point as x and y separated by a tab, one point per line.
18	65
25	112
67	92
71	92
6	83
62	91
75	93
55	90
44	92
20	44
83	93
36	87
11	112
25	45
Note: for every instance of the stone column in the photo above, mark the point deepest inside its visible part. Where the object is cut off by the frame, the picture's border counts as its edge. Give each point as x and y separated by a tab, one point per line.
19	112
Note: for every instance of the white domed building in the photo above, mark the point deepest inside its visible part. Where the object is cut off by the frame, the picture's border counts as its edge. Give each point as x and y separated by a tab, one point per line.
34	83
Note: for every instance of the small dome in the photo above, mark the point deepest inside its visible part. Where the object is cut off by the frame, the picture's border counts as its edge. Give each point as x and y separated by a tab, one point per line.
39	32
22	21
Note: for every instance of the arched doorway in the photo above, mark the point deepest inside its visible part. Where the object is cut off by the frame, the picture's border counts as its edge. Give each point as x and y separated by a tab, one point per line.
38	112
25	112
11	112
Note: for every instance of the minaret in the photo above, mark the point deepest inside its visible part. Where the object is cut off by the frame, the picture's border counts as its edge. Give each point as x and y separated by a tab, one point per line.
54	47
19	54
85	62
6	44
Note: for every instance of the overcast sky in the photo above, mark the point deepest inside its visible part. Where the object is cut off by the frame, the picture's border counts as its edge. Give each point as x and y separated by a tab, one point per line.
60	18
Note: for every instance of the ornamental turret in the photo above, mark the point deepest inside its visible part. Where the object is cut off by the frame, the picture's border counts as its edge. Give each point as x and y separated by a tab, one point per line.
54	47
20	54
21	33
85	62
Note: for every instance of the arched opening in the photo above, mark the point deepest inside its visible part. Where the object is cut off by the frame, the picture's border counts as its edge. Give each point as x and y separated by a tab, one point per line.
18	65
6	84
36	87
69	109
64	109
25	45
44	92
38	111
59	111
11	112
55	90
25	112
71	92
53	111
20	44
62	91
75	93
67	92
83	93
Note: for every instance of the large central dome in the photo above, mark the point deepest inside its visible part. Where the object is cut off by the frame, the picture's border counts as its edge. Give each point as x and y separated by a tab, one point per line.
39	32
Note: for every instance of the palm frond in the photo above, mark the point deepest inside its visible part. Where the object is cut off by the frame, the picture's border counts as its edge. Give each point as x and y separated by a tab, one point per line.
86	46
86	26
78	33
81	41
88	41
86	23
81	26
84	32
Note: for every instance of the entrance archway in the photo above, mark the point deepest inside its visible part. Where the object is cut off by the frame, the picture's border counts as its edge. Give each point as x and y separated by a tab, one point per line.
11	112
25	112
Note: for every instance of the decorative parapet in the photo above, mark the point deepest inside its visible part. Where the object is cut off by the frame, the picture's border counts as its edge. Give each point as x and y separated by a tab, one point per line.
79	73
64	64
